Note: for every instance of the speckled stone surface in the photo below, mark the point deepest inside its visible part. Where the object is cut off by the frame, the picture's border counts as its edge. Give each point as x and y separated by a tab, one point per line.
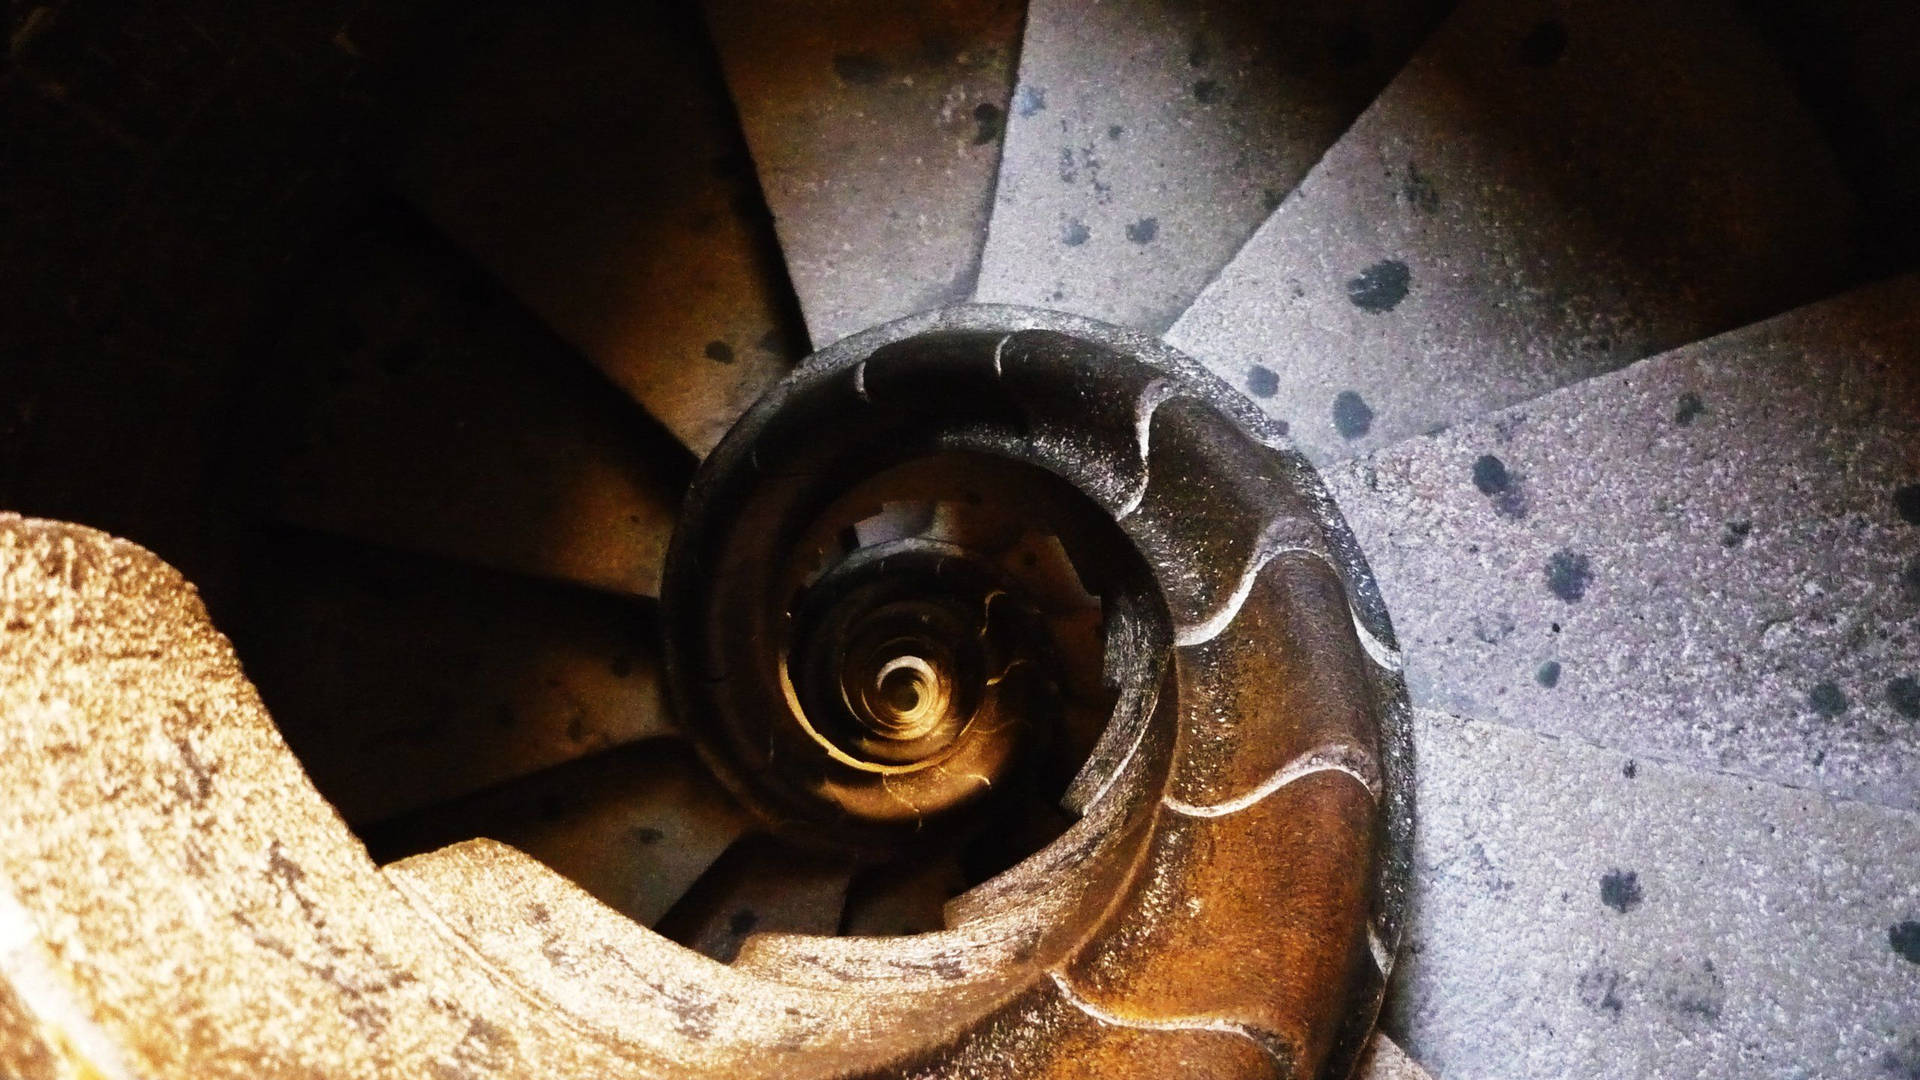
1546	192
1711	556
1581	913
1148	140
875	129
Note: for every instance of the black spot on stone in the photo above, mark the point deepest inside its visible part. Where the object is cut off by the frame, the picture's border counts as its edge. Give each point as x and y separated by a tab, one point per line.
1827	700
1599	991
647	834
1380	287
1905	939
742	923
1208	91
1419	192
1114	131
1199	52
1568	575
1911	578
1620	890
1903	1061
1351	46
1352	417
1689	408
1903	694
1630	770
1544	44
1075	233
1735	533
1695	992
1548	675
1270	199
1144	230
859	69
1906	502
1490	475
719	352
1262	382
989	122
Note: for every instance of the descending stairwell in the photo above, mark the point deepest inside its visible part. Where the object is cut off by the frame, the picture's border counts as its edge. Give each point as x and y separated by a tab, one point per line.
1569	302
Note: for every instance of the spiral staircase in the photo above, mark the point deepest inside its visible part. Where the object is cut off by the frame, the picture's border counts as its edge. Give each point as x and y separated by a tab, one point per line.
421	340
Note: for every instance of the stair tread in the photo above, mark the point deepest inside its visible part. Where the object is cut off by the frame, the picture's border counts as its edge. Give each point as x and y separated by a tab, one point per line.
635	826
588	156
1712	555
413	405
1580	913
1543	194
875	128
759	886
402	682
1147	140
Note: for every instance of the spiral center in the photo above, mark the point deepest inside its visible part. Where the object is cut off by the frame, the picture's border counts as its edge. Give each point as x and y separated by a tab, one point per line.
908	688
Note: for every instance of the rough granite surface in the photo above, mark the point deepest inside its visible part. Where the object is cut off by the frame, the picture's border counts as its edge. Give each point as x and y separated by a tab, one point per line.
875	130
1712	556
1148	140
1583	913
1546	192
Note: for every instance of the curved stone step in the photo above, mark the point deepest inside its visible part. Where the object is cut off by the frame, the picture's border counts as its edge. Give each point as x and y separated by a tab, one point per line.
1148	140
875	127
759	886
587	155
635	827
402	682
1580	913
1545	193
412	405
1712	556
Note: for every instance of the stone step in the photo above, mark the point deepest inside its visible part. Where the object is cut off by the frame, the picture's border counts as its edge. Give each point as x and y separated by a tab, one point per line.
1148	140
412	404
587	155
636	826
875	128
402	682
1583	913
1546	192
1712	556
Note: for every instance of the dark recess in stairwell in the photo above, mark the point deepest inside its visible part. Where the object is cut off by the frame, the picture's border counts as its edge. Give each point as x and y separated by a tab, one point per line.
1852	63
